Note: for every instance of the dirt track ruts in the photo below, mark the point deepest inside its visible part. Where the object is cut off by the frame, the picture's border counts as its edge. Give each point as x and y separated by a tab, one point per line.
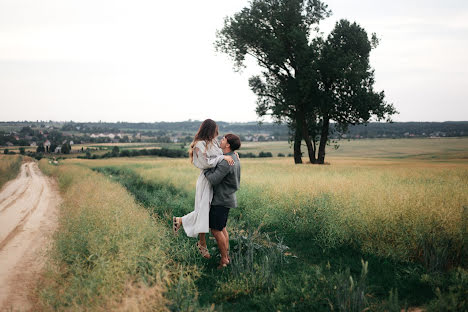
28	218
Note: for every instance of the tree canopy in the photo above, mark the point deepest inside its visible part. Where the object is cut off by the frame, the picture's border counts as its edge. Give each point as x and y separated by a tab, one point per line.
306	80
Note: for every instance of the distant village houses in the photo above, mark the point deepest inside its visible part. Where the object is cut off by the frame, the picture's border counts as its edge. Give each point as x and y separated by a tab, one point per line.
109	135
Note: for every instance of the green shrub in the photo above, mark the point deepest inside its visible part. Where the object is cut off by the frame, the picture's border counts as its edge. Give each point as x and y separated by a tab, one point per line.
265	154
247	155
455	296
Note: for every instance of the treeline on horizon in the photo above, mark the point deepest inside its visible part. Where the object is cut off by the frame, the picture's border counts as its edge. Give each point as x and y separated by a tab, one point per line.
278	131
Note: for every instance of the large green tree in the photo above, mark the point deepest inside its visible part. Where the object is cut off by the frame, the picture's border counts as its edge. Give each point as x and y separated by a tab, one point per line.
276	34
347	82
300	78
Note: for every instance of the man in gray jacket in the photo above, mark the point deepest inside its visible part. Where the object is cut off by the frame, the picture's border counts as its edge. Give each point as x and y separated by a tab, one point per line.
225	180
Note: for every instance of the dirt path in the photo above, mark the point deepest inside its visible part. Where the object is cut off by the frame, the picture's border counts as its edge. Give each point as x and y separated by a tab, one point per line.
28	217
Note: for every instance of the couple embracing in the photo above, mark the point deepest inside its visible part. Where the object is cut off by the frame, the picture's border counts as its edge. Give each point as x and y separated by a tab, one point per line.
216	188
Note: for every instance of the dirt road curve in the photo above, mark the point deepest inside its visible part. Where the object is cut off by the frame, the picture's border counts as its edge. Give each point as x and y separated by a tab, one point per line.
28	217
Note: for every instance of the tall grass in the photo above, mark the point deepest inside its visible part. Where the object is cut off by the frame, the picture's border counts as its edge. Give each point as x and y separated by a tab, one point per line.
9	167
260	275
108	253
405	218
404	211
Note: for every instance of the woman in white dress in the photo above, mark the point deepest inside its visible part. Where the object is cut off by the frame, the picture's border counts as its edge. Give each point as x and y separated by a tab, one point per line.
205	153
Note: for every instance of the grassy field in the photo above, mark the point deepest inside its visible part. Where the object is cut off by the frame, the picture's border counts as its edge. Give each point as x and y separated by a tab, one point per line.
99	148
367	231
436	149
9	167
420	149
109	253
393	201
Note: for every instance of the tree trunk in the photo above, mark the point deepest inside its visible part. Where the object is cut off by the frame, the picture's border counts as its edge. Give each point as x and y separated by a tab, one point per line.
297	147
323	139
315	148
310	148
297	140
301	125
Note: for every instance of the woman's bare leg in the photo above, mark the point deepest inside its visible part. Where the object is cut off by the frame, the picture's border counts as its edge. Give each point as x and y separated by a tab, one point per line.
202	239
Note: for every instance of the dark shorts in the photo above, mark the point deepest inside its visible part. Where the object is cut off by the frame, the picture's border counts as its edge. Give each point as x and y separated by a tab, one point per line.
218	217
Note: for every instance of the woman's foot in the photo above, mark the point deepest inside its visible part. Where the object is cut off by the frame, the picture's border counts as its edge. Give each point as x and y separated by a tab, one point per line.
176	224
223	263
203	251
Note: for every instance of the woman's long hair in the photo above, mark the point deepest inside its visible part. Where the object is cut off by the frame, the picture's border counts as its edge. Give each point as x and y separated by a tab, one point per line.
207	132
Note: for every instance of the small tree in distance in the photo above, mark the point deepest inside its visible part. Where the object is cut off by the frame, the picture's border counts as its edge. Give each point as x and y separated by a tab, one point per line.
115	151
40	148
65	148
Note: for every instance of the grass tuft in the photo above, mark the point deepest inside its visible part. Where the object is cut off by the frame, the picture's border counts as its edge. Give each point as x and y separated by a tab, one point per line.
9	167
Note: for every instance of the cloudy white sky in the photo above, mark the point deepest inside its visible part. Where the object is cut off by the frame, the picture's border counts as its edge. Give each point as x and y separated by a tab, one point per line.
141	60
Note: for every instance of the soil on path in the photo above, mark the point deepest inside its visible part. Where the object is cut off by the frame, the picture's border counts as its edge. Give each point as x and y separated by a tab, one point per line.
28	218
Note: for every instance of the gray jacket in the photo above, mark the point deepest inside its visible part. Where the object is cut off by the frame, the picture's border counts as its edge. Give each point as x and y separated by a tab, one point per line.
225	180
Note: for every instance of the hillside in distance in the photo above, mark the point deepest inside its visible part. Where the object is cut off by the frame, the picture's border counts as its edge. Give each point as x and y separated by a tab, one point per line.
370	130
26	133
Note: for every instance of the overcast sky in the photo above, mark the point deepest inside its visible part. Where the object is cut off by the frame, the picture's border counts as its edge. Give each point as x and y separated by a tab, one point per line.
148	61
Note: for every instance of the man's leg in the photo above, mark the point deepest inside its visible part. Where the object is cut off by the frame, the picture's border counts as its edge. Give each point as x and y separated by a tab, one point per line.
226	237
222	245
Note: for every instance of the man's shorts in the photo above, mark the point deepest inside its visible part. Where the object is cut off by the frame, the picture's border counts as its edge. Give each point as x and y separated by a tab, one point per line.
218	217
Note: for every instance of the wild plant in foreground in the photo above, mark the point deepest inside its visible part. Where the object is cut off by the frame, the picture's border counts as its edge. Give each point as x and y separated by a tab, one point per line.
350	293
255	262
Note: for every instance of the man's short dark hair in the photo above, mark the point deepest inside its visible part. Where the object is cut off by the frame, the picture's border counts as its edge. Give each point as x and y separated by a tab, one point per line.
233	140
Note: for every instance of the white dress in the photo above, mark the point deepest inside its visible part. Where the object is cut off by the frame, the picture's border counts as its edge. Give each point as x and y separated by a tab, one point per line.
198	220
